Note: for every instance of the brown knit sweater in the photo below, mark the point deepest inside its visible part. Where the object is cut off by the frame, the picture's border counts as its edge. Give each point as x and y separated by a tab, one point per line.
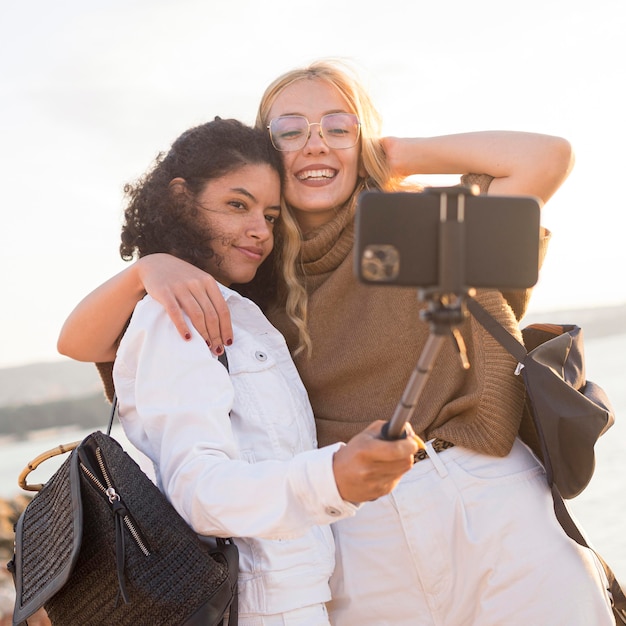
368	339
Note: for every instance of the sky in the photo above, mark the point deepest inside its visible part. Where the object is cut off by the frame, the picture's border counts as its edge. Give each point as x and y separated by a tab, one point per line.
92	90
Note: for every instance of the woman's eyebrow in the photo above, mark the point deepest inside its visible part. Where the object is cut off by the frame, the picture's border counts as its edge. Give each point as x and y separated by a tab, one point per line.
325	113
243	191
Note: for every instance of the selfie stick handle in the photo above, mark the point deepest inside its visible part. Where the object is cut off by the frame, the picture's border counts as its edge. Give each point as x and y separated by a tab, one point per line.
394	428
446	310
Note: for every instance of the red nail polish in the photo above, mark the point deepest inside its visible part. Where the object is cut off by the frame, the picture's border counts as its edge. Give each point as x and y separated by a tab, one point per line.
187	336
219	350
229	342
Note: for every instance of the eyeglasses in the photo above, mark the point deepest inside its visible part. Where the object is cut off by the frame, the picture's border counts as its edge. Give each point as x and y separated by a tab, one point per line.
291	132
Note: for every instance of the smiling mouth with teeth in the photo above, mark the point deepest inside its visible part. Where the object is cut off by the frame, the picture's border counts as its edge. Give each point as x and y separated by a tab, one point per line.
316	174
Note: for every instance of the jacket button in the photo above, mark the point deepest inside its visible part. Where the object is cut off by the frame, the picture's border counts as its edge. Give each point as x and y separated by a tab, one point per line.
332	511
260	356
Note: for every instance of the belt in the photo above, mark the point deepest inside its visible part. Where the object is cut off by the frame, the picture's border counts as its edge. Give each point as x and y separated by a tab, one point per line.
439	445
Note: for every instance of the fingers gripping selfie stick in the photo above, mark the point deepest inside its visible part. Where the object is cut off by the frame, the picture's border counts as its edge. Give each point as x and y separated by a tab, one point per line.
446	305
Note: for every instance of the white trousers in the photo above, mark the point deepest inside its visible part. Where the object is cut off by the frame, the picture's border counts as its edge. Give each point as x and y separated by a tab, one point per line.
465	540
314	615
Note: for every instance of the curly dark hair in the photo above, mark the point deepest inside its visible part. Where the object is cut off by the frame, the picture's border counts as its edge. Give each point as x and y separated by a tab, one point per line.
158	220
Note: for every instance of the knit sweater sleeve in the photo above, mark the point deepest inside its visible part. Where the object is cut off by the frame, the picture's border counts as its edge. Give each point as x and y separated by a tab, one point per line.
482	180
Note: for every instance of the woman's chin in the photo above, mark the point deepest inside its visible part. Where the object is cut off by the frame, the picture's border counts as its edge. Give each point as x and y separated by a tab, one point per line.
243	277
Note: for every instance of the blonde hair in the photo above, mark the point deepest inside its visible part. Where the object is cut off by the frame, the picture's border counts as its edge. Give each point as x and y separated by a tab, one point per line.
372	159
293	292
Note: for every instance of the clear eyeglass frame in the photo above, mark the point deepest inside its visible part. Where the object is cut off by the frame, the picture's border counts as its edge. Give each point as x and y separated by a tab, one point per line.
339	131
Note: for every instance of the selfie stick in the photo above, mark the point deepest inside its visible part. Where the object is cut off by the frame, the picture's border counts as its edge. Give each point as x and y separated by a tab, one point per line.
446	302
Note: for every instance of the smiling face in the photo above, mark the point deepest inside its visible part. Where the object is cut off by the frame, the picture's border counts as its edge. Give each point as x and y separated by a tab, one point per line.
319	179
240	210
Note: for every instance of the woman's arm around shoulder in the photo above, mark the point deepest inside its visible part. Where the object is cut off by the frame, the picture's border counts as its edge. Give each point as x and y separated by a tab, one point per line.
93	329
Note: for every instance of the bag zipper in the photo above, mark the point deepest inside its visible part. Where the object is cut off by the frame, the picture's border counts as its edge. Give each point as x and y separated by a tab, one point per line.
108	489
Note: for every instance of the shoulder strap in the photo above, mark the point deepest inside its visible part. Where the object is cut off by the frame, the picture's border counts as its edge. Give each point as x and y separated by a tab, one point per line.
223	359
112	415
618	598
496	330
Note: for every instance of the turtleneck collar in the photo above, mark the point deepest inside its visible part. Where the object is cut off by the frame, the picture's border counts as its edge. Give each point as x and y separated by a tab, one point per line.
326	247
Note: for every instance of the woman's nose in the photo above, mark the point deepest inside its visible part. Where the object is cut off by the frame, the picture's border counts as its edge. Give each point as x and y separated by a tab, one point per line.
315	141
260	228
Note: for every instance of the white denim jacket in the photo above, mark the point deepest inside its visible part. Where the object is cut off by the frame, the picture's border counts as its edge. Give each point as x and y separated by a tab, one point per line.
235	451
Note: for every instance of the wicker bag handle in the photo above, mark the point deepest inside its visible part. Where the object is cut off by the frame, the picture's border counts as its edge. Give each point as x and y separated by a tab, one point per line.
37	461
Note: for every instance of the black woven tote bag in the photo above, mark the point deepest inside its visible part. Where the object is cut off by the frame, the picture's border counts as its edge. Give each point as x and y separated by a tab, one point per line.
100	544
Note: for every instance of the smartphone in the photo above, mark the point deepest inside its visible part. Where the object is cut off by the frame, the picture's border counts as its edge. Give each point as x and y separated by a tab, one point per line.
416	239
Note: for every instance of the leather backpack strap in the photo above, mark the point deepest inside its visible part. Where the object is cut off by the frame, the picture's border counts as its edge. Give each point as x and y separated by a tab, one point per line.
112	415
618	598
496	330
223	359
